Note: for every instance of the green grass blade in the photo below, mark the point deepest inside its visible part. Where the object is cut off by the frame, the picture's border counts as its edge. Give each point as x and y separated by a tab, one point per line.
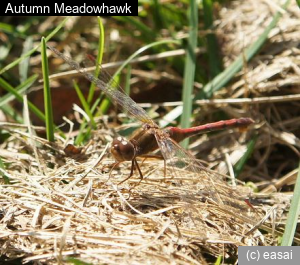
84	104
16	62
127	80
19	97
20	89
293	215
9	97
75	261
241	163
11	112
5	178
158	18
219	260
98	60
47	94
215	62
105	104
82	136
141	50
7	28
190	66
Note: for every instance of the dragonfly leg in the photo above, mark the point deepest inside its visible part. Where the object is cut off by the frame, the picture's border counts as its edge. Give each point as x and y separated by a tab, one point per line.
144	159
113	167
133	163
139	170
131	172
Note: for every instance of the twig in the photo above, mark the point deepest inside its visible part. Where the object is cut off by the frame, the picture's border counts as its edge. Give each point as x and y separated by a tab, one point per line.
275	99
144	58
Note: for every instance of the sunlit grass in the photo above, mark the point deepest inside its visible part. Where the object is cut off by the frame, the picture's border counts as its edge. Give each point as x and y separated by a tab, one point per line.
47	94
13	91
293	216
189	70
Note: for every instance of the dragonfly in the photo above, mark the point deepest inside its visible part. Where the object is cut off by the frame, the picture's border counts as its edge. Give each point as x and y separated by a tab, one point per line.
144	140
150	137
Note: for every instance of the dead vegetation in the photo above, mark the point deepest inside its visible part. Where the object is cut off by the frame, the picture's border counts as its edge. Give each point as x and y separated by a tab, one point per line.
74	209
57	206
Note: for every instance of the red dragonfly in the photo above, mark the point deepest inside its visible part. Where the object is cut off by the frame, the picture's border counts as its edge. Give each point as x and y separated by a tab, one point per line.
150	137
144	140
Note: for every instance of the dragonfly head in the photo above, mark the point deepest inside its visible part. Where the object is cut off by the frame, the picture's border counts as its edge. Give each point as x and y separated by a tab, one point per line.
122	149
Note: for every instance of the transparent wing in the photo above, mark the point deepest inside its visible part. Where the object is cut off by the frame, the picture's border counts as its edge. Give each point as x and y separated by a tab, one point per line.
106	84
194	180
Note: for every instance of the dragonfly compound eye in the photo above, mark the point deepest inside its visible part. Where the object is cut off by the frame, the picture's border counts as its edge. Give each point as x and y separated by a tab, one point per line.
122	149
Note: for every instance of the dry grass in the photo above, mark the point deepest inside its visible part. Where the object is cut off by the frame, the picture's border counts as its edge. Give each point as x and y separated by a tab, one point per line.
74	209
58	206
272	80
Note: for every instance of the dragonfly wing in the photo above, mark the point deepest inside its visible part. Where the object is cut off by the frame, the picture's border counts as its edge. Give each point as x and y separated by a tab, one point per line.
110	88
194	179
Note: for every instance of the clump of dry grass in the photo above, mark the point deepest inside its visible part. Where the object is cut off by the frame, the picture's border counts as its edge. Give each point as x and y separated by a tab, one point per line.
73	208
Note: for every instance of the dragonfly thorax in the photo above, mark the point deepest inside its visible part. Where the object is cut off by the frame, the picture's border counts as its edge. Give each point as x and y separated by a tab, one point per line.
122	149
